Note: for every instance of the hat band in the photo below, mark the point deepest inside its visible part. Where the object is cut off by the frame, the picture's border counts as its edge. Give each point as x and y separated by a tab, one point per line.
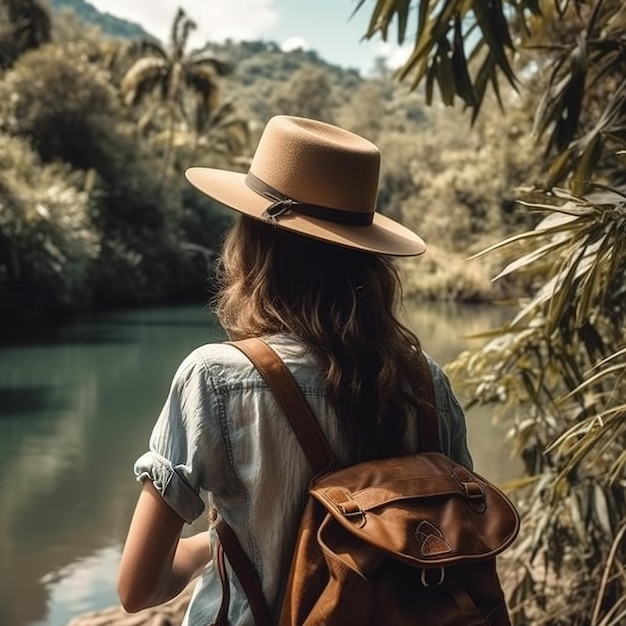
282	205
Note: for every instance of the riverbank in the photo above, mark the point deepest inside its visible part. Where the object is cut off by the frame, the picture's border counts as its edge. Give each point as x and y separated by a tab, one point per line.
440	276
171	613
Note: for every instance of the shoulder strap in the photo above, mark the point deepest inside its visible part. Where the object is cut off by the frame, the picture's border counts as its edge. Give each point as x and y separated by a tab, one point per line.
246	574
317	450
291	400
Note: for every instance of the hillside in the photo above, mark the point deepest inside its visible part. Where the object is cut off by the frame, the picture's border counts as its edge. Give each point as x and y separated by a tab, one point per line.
109	24
263	81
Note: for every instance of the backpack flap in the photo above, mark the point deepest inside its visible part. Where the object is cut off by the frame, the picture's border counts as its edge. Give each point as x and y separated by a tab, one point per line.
423	509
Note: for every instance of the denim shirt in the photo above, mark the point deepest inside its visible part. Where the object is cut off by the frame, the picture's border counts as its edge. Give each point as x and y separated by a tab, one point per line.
221	438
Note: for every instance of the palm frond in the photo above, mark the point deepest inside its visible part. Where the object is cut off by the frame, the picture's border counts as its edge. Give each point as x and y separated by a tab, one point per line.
221	68
147	47
143	77
201	79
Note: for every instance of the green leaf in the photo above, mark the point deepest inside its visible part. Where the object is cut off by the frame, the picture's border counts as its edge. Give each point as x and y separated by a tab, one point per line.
559	167
531	257
495	30
464	85
602	510
562	294
445	74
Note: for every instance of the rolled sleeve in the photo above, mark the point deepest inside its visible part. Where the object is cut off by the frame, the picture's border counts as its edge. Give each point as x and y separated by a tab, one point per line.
169	482
185	451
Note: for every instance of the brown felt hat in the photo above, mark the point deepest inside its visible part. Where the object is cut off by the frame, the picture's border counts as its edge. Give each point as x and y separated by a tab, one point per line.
315	179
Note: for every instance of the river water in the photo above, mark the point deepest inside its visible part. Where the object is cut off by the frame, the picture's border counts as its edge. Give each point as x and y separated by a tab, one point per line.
76	410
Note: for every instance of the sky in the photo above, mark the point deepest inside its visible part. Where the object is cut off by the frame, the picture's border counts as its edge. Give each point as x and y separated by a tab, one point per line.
326	26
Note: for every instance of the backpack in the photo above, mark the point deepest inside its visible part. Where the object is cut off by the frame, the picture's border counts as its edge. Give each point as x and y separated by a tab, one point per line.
406	540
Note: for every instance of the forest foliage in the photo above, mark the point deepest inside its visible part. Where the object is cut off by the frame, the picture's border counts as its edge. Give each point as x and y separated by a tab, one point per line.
96	131
555	370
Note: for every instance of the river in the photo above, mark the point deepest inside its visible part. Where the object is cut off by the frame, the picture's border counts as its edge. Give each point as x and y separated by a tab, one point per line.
76	410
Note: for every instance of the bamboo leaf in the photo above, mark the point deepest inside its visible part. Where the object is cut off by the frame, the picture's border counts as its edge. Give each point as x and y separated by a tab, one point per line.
430	81
402	11
445	74
505	242
586	164
602	510
595	378
495	30
530	258
590	286
577	519
556	219
518	484
559	167
464	85
562	294
421	17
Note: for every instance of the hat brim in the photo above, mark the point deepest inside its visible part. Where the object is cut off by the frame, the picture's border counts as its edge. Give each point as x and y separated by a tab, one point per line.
383	236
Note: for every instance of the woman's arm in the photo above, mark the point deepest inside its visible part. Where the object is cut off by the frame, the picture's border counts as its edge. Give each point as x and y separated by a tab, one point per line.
156	563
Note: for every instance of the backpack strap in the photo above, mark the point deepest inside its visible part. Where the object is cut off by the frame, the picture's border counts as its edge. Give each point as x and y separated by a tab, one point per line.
291	400
246	575
318	452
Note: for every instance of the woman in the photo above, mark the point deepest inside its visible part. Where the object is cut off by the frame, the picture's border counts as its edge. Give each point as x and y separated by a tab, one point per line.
306	266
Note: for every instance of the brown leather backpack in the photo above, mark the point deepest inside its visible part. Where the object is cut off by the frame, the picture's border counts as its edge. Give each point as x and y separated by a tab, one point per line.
408	540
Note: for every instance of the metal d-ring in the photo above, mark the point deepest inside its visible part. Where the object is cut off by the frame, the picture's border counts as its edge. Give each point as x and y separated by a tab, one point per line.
425	583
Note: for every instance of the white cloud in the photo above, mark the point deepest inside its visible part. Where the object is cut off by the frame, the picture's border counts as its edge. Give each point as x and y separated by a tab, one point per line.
216	20
394	55
294	43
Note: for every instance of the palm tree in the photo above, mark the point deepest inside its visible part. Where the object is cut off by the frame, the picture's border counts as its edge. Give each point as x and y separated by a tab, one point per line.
558	365
223	132
170	73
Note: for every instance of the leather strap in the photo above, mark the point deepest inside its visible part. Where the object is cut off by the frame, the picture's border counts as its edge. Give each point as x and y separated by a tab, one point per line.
291	400
222	616
471	615
245	573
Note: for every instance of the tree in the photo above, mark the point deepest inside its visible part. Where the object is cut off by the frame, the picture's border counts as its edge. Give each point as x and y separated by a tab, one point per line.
307	94
48	241
170	72
66	111
24	24
558	364
222	132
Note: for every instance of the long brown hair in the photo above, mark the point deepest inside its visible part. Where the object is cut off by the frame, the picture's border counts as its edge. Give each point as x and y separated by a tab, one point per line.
343	303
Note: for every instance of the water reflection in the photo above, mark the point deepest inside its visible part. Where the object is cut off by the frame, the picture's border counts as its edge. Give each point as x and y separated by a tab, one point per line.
30	400
76	410
445	330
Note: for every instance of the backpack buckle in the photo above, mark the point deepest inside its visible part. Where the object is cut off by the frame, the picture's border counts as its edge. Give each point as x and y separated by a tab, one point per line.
472	490
352	511
437	583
